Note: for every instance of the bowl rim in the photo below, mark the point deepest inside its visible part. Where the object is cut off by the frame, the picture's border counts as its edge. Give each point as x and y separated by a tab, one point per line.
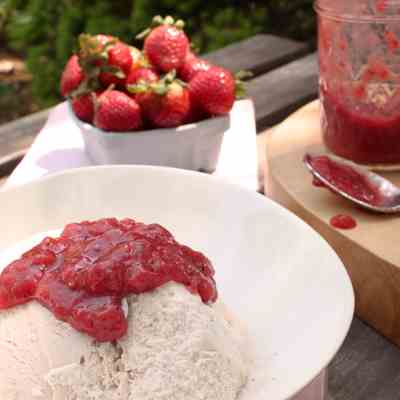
182	129
348	312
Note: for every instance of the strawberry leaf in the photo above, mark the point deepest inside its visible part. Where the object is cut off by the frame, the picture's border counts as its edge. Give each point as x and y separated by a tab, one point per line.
169	78
159	20
140	87
240	85
159	88
168	20
113	70
180	24
142	35
182	83
243	75
144	62
86	86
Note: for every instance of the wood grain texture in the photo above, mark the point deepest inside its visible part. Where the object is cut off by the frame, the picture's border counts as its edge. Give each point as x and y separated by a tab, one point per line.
19	134
367	367
283	90
258	54
370	252
8	163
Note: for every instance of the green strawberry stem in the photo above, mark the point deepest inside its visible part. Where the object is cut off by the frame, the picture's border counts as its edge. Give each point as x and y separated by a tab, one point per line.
243	75
144	62
140	87
89	84
160	87
142	35
116	71
158	20
85	87
93	57
92	50
240	85
169	77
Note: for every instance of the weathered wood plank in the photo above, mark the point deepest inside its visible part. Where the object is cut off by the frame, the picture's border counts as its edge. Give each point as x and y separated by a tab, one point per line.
19	134
367	367
283	90
259	54
9	162
3	181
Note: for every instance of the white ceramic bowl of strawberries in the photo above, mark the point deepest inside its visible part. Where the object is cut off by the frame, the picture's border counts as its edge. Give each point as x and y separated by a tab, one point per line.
160	106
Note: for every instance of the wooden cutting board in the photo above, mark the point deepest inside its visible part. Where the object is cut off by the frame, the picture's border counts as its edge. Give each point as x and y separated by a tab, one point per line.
370	252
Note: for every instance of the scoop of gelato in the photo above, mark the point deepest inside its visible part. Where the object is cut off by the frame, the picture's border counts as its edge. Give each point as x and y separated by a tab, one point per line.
176	348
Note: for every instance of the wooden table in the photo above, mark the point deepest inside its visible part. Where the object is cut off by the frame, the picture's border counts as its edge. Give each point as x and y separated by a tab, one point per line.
285	77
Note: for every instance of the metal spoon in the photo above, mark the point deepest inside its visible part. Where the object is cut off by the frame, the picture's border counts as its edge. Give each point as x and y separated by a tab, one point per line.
388	194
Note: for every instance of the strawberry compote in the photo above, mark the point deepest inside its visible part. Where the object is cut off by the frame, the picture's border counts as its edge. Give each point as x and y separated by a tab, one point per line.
345	178
361	133
83	275
359	58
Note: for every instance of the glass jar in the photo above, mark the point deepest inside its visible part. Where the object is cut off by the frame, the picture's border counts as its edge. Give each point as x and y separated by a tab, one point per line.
359	57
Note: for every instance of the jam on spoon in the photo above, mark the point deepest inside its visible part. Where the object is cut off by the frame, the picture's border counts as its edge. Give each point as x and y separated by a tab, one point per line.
355	183
345	178
83	275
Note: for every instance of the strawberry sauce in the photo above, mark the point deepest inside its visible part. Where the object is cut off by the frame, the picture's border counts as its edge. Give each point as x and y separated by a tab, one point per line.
343	222
83	275
361	133
345	178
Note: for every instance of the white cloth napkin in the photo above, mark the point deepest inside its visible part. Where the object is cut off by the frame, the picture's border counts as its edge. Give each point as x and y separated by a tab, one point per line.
59	146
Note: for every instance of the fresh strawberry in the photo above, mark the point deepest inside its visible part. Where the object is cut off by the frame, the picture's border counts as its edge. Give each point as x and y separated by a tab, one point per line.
105	59
93	50
145	75
213	91
72	76
120	60
195	114
166	45
83	107
192	66
116	111
165	104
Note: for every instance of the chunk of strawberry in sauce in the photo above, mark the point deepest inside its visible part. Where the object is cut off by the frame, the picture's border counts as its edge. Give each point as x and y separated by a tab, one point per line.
82	276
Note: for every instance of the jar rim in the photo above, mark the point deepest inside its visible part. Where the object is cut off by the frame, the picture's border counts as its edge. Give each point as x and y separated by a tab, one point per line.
331	13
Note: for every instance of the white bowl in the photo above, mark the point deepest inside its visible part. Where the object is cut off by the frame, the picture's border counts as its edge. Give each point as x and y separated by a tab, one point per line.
193	146
272	270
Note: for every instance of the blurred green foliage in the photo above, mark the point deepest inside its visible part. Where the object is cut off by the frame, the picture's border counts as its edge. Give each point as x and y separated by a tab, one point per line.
45	31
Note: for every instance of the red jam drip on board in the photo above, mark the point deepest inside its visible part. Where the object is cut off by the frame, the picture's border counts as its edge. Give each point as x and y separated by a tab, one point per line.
346	179
82	276
343	222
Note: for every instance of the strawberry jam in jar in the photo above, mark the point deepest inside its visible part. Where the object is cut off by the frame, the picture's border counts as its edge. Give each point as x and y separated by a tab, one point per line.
359	58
